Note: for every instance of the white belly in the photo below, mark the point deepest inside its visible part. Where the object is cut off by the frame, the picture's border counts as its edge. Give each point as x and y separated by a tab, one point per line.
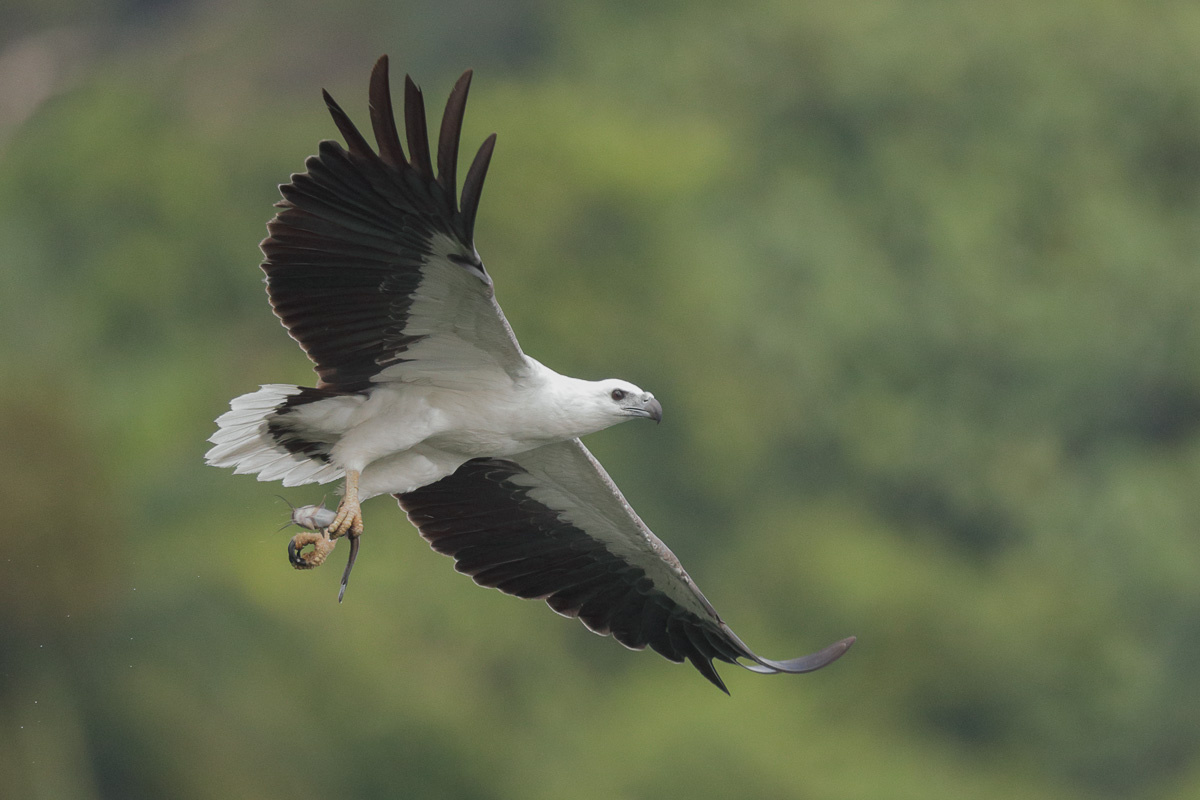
405	436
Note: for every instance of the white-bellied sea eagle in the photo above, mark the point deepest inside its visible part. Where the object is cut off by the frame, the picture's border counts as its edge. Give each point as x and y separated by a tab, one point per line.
424	394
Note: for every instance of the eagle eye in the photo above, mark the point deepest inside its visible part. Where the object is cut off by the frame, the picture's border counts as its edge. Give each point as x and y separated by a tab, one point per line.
618	394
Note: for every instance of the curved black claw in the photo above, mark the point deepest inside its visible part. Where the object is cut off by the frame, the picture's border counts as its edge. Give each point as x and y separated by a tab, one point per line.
349	566
294	554
303	558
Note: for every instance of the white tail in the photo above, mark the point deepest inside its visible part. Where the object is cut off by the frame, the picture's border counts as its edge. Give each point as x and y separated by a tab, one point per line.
243	442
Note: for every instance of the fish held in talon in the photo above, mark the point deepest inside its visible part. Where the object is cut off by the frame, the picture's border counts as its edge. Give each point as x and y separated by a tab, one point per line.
313	518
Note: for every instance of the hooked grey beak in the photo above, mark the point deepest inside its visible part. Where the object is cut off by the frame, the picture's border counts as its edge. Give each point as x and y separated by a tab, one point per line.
649	408
654	410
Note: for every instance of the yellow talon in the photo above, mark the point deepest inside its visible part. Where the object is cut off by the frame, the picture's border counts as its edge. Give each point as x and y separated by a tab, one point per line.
347	522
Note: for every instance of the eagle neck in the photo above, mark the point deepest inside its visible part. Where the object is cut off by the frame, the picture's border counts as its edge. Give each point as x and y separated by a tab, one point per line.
572	407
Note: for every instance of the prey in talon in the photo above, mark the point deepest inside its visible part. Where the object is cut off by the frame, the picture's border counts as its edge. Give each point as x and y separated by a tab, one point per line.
318	523
312	518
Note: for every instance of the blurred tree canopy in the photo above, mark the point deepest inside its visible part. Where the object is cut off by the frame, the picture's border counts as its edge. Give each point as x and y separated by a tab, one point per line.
917	283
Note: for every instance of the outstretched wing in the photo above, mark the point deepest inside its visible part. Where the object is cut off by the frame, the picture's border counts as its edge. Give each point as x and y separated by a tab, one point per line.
550	524
371	263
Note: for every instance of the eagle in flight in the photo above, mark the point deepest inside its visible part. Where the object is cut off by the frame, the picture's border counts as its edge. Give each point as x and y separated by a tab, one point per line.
424	394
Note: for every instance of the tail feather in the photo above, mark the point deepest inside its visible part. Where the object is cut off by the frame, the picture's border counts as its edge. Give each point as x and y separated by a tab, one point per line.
244	441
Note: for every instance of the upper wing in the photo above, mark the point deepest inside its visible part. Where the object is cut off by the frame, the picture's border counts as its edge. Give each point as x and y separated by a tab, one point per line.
371	263
550	523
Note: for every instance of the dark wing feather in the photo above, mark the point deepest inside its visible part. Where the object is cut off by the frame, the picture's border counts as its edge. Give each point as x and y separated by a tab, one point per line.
550	524
473	184
451	132
383	119
418	134
360	236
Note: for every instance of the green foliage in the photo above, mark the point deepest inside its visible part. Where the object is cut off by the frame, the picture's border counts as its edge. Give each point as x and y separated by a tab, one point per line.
916	283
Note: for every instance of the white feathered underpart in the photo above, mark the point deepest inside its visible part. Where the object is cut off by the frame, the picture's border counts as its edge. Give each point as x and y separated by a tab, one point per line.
403	435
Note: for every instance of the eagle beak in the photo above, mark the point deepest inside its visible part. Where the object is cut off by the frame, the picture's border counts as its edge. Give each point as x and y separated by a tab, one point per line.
652	409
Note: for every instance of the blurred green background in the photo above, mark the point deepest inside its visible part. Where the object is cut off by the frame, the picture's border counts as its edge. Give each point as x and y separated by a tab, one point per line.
916	282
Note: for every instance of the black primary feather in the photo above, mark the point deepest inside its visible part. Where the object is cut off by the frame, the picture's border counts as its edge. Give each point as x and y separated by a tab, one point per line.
344	255
484	518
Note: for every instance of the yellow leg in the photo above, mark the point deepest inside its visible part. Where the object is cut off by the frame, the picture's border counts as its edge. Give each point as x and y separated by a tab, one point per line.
348	522
349	518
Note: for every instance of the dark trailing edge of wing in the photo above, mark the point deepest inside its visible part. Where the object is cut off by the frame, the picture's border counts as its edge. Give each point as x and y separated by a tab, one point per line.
505	539
345	252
